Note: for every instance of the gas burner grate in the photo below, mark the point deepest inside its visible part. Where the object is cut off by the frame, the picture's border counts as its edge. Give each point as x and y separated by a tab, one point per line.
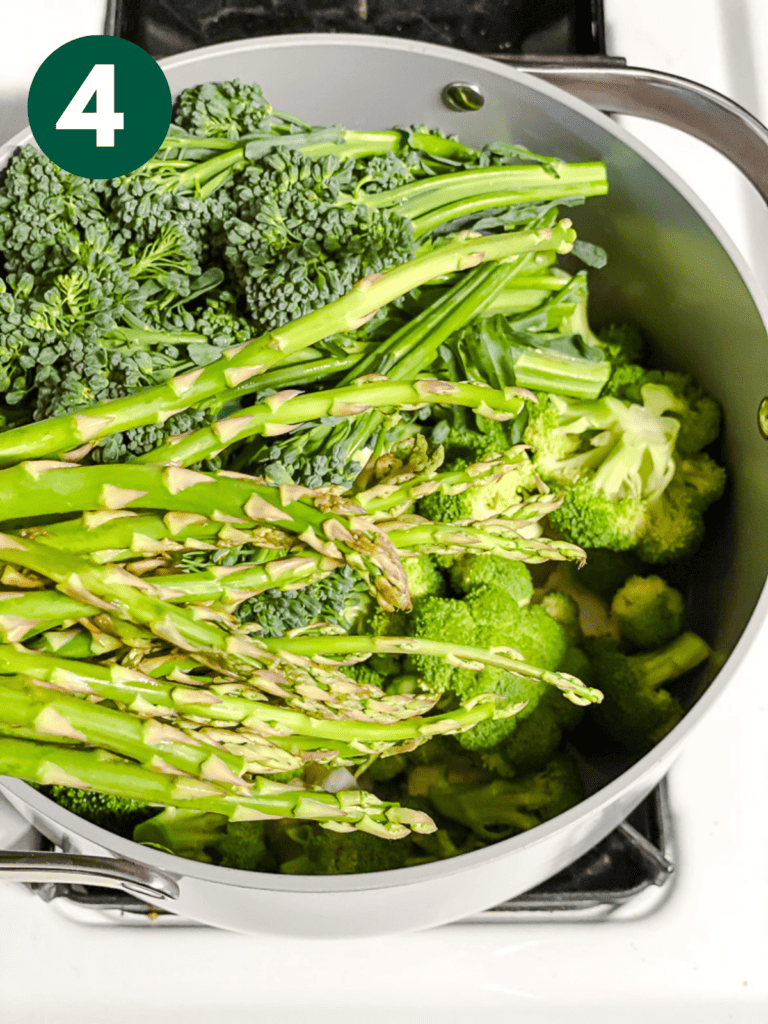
496	28
632	867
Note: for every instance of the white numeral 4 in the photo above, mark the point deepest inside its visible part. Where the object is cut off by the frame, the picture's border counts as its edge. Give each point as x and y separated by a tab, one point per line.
105	121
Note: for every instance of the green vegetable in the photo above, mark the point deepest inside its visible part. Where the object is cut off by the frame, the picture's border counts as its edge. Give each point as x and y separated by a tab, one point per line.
207	837
648	611
637	710
114	813
501	808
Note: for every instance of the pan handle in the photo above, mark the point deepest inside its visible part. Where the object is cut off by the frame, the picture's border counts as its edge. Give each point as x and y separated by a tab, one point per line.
106	872
678	102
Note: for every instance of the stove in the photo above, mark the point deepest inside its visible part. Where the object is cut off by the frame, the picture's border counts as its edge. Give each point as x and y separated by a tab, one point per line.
619	934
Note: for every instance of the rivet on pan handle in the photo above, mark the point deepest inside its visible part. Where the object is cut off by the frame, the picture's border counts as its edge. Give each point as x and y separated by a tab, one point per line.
105	872
678	102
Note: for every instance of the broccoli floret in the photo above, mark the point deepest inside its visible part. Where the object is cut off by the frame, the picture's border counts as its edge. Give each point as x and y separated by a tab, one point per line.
504	807
436	618
514	578
649	612
207	837
698	413
344	853
487	618
564	610
636	711
606	571
624	488
673	529
114	813
424	577
702	480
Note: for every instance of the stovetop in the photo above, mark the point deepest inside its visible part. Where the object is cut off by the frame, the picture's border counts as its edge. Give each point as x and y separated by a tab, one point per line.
493	27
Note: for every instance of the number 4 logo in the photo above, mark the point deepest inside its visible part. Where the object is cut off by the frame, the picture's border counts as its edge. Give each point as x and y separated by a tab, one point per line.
105	120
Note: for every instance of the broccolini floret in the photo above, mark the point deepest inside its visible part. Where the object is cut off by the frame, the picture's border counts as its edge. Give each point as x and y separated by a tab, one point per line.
115	814
648	611
636	710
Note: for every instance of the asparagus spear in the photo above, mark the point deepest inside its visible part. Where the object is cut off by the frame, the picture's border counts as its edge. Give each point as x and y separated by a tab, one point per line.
50	764
157	404
235	705
289	408
53	715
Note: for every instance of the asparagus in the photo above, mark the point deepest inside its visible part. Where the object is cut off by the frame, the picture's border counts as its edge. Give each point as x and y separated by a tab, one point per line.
233	704
473	658
241	363
24	615
51	764
321	524
54	715
289	408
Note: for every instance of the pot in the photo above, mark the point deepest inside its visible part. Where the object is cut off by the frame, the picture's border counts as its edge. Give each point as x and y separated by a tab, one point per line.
673	270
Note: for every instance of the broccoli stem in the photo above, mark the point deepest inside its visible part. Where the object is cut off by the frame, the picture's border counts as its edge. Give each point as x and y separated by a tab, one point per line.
674	659
526	183
241	363
52	765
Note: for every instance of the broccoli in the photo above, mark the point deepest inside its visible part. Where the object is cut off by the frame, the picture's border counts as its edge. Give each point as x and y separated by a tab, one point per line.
698	413
424	577
624	488
501	808
207	837
563	609
113	813
606	570
470	570
636	711
623	342
648	611
487	618
325	852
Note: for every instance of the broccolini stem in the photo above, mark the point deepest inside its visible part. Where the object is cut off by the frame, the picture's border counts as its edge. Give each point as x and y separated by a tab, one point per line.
527	182
242	362
52	765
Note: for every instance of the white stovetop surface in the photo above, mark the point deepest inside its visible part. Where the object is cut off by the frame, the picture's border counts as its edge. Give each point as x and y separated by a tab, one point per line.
701	959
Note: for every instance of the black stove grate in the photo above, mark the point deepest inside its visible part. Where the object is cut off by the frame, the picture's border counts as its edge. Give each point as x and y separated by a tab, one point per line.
496	28
632	867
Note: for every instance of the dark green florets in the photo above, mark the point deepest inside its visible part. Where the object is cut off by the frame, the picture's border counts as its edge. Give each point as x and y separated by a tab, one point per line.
225	110
115	814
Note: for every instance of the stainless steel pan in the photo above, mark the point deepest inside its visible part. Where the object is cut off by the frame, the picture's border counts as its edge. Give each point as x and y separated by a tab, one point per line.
671	268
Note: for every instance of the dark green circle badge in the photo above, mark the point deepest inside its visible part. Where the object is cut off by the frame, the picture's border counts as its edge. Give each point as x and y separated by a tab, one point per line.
99	106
